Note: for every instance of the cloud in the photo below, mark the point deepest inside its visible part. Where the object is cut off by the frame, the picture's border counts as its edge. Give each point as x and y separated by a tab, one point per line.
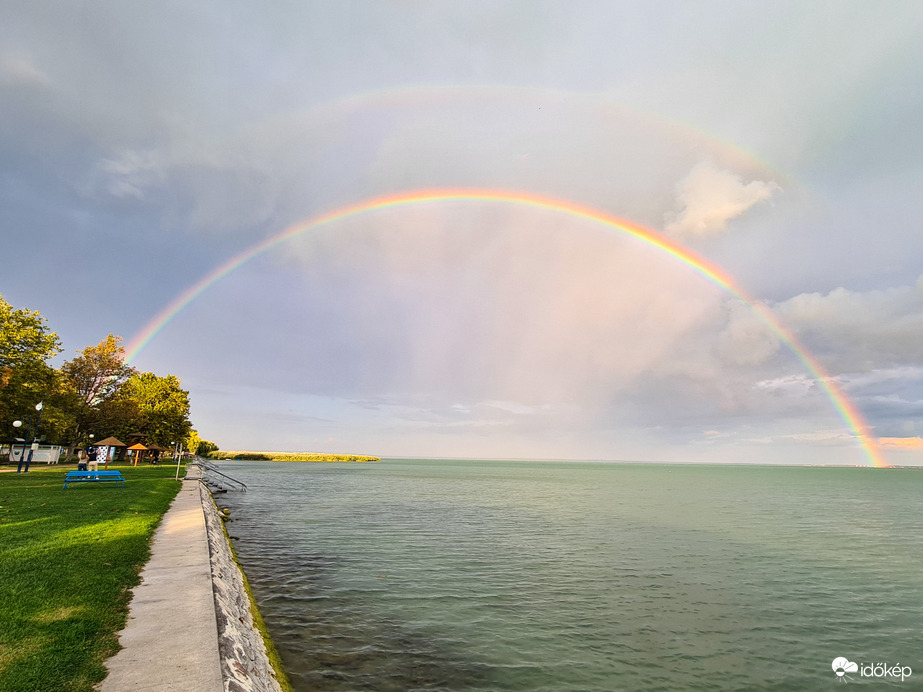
857	331
747	340
871	342
901	442
515	327
20	70
709	198
129	174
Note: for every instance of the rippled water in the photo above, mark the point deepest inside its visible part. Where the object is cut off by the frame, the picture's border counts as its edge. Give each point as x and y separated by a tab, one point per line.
463	575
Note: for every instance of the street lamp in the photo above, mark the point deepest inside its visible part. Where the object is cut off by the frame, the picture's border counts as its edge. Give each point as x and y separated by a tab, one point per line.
18	424
177	448
36	420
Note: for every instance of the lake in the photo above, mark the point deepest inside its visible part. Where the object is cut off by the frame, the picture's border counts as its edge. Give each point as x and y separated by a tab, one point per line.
565	576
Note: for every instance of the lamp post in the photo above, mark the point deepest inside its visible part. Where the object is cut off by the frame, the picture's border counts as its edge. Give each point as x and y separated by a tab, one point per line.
36	420
177	450
17	424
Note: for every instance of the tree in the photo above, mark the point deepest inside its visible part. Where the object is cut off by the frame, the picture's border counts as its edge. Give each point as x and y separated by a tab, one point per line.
24	337
94	379
26	344
191	443
99	371
119	416
95	392
204	447
163	406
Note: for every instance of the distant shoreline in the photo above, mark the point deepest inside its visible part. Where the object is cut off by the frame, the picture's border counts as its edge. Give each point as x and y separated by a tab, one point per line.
244	455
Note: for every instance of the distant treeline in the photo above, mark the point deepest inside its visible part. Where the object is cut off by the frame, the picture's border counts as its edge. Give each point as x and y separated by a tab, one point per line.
287	456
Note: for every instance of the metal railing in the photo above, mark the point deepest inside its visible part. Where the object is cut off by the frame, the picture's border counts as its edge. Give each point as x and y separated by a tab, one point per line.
212	476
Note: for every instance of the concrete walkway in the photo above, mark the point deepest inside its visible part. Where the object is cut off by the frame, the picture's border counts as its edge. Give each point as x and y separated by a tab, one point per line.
171	638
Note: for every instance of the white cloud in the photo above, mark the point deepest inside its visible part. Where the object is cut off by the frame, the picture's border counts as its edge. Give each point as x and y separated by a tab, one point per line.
797	384
708	198
130	173
20	70
747	340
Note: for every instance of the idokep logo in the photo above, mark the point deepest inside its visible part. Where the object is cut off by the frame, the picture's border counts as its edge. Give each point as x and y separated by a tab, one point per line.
842	665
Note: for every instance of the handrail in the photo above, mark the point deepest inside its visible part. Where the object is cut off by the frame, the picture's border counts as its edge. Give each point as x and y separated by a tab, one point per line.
209	467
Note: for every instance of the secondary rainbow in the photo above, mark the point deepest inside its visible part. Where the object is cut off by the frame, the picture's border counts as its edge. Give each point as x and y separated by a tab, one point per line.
841	402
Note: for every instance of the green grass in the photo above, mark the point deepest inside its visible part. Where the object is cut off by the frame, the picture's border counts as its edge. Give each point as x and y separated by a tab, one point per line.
68	559
287	456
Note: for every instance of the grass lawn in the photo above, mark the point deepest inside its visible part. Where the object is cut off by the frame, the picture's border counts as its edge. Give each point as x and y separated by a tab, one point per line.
68	559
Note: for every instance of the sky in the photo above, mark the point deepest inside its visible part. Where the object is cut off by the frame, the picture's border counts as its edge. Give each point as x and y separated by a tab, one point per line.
163	166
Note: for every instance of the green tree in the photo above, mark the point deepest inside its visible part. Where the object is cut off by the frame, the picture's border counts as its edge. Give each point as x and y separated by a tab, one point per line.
191	443
94	380
204	447
119	416
26	345
99	371
163	406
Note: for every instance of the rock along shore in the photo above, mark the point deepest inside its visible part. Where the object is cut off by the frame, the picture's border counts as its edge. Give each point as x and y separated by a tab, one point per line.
245	664
190	627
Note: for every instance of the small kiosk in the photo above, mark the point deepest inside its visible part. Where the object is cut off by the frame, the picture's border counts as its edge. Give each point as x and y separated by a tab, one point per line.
108	450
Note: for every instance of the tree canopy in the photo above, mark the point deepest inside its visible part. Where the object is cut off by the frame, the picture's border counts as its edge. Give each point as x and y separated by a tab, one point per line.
24	337
163	405
98	372
96	392
26	346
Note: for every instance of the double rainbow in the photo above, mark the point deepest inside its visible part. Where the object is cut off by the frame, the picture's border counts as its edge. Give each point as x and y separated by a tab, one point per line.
845	408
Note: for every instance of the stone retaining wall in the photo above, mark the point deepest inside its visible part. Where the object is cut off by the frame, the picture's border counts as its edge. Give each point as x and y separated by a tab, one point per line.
245	666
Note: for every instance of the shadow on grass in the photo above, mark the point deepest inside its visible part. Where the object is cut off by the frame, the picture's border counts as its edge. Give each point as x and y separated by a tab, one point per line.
68	560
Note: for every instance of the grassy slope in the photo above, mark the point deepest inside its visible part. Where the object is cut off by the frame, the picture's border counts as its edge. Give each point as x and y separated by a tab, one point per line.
67	561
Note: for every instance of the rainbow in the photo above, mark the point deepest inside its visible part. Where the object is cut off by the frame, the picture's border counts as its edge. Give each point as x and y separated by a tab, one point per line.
416	96
841	402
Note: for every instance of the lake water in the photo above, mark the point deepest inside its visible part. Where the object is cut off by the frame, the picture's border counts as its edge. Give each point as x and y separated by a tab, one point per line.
561	576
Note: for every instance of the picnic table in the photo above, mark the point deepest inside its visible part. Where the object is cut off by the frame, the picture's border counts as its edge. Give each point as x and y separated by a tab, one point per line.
93	477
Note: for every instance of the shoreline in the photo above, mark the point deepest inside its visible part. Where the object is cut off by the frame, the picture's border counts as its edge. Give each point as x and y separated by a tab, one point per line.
244	656
190	624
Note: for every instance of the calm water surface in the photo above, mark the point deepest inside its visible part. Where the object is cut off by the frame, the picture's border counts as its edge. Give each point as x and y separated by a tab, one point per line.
560	576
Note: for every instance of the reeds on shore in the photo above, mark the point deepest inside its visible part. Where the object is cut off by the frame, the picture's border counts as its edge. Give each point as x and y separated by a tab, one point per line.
288	456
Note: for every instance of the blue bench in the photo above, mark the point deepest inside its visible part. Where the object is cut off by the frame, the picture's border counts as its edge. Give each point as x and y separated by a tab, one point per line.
93	477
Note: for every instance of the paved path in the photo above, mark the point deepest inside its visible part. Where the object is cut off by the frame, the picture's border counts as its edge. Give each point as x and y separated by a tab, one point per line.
171	639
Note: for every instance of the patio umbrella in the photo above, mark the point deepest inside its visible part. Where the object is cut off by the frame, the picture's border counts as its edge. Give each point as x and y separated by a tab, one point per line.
139	448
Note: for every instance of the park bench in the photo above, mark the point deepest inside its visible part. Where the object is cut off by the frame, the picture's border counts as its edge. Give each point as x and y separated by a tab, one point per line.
93	477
